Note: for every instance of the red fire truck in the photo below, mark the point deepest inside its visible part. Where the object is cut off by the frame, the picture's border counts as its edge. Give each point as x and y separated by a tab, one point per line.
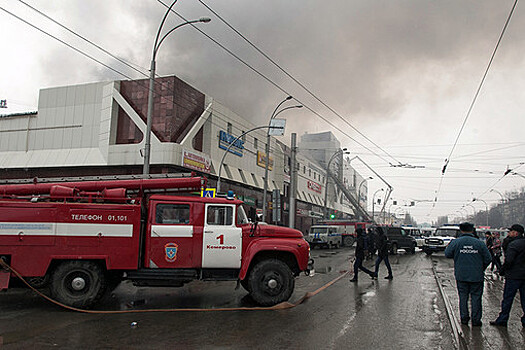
82	238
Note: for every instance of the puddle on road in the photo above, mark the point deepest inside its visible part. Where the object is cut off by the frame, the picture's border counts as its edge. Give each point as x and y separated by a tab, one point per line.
327	254
369	294
324	270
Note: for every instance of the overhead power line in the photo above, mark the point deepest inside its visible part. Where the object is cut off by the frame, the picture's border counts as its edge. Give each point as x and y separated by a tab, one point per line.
144	74
128	64
277	86
296	80
216	113
65	43
447	161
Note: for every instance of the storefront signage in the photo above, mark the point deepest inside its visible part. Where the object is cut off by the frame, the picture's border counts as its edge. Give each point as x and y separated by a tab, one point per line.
303	212
314	186
225	140
196	161
314	214
247	200
261	160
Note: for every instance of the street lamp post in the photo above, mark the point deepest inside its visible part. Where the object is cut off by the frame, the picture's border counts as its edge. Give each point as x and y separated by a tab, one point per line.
486	208
359	188
498	192
228	149
374	203
147	146
473	208
267	149
342	151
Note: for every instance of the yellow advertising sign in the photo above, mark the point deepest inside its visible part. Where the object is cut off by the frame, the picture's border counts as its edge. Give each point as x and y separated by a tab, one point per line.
261	160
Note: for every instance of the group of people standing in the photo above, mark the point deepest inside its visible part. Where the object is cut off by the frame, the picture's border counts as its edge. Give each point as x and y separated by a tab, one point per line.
471	258
367	245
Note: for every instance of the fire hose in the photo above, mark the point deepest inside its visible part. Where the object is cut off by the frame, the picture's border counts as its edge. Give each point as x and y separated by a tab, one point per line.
281	306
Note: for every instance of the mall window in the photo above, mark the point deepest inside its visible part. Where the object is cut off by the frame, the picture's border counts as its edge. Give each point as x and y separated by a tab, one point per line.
255	143
242	176
255	180
229	128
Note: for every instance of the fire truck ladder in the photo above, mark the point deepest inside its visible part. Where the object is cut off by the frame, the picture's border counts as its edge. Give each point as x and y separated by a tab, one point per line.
110	186
93	178
358	208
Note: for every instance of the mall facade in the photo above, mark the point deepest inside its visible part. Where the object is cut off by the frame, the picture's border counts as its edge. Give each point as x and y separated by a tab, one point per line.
98	129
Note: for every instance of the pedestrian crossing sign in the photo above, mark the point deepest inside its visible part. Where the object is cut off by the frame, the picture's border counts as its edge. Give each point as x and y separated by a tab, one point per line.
208	193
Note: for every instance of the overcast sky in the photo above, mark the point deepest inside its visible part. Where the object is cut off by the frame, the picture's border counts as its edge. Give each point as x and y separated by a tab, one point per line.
403	73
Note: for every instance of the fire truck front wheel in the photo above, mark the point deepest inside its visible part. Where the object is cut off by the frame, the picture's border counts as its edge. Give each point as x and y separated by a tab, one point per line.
78	284
271	282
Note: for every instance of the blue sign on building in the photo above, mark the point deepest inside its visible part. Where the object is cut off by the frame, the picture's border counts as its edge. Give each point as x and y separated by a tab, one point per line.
226	139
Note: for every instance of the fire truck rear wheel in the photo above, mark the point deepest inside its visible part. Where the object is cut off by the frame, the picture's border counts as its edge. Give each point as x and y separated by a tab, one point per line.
271	282
348	241
78	283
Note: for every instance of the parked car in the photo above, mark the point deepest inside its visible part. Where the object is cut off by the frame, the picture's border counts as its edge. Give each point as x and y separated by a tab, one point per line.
417	233
399	239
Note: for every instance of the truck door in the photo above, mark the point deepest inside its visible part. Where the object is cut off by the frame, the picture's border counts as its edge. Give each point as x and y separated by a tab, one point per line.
170	243
222	240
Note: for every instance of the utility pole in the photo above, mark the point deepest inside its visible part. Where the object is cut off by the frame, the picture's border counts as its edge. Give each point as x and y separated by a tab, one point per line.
293	182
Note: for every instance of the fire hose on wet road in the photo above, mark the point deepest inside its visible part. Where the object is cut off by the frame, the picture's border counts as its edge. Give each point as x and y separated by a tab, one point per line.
280	306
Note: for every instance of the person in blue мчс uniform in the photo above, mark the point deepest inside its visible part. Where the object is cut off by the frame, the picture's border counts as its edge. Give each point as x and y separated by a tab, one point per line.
471	258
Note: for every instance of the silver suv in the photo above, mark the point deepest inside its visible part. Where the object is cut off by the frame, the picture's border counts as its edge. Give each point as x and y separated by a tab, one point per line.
441	239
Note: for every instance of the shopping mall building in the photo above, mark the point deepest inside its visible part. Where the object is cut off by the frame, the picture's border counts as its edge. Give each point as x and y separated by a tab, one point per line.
98	129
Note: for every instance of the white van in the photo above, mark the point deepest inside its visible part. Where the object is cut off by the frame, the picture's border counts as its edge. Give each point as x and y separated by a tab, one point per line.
324	235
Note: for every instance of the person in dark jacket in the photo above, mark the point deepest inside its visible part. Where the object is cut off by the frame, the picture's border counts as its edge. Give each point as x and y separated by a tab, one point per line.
471	258
360	256
382	252
371	244
514	271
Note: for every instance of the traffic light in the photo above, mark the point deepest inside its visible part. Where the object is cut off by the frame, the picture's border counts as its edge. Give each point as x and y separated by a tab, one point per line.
332	216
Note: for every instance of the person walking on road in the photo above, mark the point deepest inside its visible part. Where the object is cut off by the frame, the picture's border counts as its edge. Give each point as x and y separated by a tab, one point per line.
382	252
371	244
513	270
471	258
360	255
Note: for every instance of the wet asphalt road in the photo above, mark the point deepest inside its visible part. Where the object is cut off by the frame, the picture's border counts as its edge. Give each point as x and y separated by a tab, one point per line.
407	313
